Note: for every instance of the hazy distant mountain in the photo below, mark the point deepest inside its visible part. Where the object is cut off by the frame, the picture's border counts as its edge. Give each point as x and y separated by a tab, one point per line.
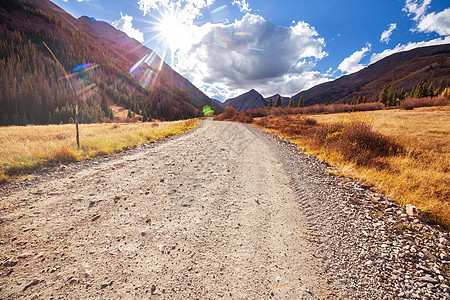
403	69
249	100
36	92
217	102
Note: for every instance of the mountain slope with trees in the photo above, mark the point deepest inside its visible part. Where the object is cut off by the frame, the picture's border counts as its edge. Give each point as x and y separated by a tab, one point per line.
33	88
401	70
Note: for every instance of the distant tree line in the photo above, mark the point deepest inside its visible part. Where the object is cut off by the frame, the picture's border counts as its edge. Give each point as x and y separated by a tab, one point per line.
423	89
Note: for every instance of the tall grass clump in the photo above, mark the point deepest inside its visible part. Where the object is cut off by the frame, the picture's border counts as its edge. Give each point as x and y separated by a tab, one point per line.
289	125
355	140
352	139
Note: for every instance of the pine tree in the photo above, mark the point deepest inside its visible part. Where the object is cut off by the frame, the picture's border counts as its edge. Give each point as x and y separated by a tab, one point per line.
391	97
383	96
270	105
279	104
358	101
431	92
129	115
412	92
402	95
291	102
300	102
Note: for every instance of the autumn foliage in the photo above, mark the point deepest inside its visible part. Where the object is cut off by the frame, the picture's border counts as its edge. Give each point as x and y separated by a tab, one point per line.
411	103
231	114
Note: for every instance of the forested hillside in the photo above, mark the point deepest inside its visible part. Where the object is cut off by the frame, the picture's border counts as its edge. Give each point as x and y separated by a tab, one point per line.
34	90
400	73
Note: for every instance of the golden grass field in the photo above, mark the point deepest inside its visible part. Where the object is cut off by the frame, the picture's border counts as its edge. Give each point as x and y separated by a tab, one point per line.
419	174
26	148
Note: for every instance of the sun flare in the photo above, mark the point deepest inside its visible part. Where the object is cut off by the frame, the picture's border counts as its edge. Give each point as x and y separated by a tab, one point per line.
172	31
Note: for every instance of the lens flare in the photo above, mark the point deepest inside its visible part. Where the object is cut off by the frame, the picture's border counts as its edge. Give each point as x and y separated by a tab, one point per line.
85	67
142	73
257	49
242	33
220	14
222	36
80	78
207	111
144	76
85	89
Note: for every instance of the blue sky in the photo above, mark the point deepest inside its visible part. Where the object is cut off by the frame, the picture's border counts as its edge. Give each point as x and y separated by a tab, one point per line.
226	47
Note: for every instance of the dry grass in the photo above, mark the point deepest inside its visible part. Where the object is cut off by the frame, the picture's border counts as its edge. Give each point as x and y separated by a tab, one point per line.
24	149
121	113
418	174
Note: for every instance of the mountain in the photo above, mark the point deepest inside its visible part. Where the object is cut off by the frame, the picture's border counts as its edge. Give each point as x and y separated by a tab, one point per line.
249	100
403	69
108	68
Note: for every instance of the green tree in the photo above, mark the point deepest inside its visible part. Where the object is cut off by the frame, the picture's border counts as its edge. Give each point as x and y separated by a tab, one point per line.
279	104
129	115
431	92
402	95
383	96
421	90
300	102
391	97
270	105
291	102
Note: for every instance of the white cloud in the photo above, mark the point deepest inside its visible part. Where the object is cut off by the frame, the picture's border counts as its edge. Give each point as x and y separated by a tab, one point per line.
352	64
432	22
252	53
400	48
438	22
227	59
386	35
187	10
243	5
124	24
417	9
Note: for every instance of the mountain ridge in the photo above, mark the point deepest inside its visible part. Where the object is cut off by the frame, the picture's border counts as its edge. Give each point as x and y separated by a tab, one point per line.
372	78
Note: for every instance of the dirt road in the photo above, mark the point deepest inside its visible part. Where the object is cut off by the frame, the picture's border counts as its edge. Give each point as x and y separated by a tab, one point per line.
210	214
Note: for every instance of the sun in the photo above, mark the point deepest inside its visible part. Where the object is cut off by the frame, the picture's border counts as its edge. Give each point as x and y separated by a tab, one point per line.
172	31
